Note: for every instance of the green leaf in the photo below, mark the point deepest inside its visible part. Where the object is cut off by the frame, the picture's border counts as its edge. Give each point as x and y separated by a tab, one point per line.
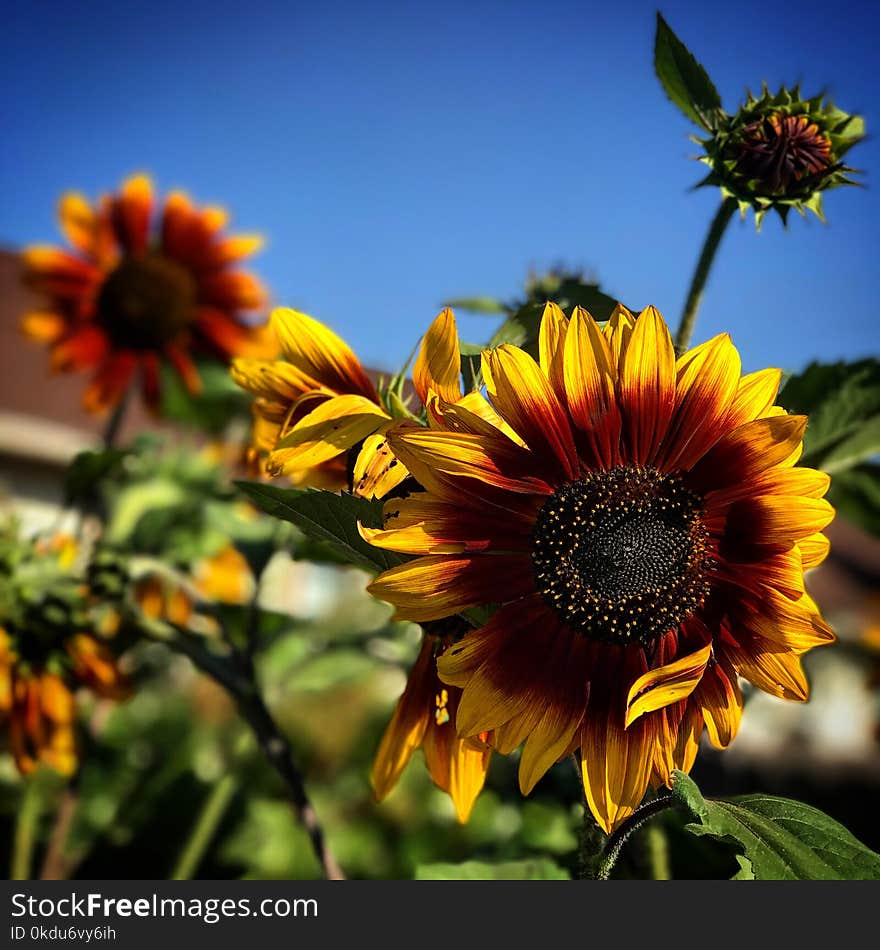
684	80
211	410
842	401
779	839
471	366
327	517
535	869
855	494
487	305
88	468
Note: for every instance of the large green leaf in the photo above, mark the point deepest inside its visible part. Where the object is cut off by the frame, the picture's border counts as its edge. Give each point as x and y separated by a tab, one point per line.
842	401
684	80
536	869
780	839
329	518
855	493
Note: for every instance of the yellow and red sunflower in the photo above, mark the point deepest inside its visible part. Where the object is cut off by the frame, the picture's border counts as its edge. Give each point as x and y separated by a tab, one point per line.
644	534
130	295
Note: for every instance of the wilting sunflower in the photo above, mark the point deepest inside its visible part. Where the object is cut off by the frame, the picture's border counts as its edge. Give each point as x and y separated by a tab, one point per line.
425	718
320	421
645	541
127	298
49	646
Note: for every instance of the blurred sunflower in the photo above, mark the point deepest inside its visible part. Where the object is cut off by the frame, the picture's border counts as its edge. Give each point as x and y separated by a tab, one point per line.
425	718
320	420
50	644
126	299
645	538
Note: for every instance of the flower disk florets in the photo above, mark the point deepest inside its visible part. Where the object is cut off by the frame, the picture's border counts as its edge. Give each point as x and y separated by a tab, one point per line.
621	554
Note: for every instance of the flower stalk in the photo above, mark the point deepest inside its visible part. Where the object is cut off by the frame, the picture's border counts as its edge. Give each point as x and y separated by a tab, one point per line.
701	273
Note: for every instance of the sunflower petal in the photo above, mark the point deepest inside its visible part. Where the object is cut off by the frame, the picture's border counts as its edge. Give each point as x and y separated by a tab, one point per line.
406	730
320	354
437	586
719	697
706	382
523	396
754	397
551	346
646	386
666	684
376	471
438	365
332	428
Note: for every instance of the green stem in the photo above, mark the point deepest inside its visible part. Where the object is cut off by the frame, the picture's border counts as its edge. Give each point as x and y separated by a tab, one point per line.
658	853
213	810
25	832
239	679
704	264
114	423
616	841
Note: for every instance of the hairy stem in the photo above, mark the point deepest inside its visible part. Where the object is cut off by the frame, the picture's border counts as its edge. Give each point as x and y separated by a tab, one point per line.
616	840
701	273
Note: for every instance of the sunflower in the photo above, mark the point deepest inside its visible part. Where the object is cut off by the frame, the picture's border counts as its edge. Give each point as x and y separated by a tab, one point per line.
644	541
320	421
425	718
50	645
125	298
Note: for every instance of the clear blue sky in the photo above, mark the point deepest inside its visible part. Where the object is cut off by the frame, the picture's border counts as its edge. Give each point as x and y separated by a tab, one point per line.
396	154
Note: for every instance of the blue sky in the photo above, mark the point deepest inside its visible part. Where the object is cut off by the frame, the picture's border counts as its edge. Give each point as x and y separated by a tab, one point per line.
397	154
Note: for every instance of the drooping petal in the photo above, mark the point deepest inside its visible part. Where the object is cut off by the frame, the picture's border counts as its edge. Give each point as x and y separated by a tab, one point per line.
646	386
185	368
616	762
523	396
666	684
332	428
438	365
719	697
406	730
111	381
436	586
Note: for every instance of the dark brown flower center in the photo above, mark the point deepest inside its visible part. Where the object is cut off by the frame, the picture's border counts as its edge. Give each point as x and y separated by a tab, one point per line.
146	301
621	555
782	150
